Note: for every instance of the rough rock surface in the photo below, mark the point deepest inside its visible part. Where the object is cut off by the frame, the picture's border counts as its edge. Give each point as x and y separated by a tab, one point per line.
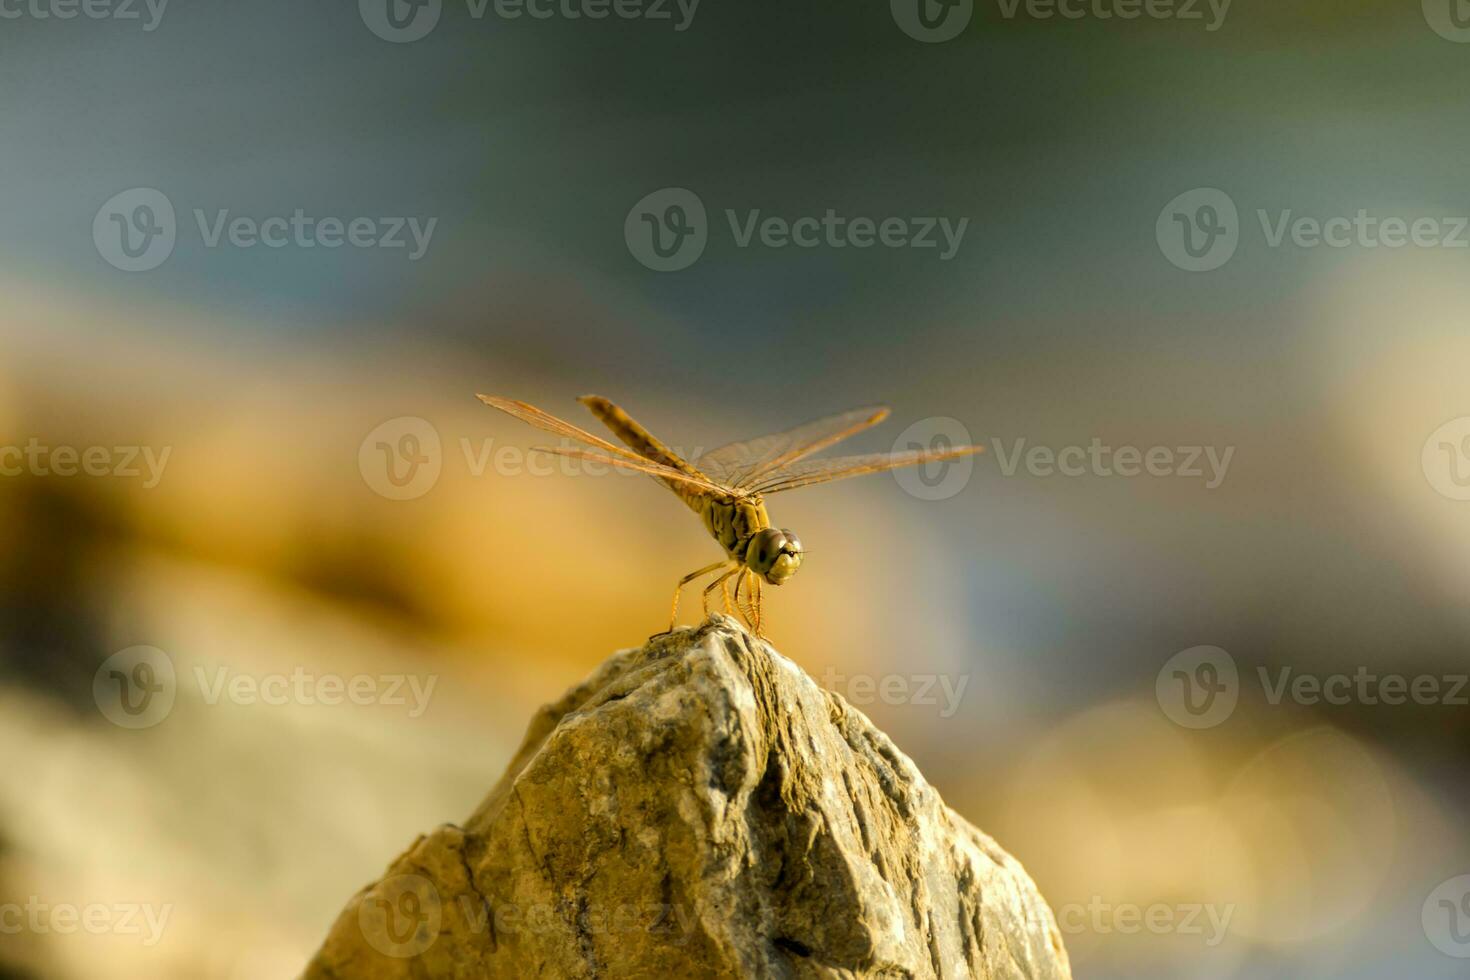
701	808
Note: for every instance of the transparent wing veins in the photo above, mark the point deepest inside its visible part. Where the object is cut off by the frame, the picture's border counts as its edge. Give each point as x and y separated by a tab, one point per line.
547	422
742	464
666	473
808	472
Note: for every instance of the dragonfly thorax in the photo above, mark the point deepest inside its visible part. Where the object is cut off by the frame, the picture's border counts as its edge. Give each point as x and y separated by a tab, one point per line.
743	529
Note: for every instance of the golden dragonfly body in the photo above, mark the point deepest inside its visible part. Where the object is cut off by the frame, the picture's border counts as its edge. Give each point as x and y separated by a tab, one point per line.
728	486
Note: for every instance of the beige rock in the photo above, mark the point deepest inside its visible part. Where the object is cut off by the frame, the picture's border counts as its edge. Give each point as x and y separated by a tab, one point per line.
701	808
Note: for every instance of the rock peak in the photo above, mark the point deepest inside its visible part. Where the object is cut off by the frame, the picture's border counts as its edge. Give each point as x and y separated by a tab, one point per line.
699	807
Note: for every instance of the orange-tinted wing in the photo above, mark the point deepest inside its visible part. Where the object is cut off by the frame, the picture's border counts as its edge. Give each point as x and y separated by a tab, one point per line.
610	454
635	436
744	464
550	423
666	473
803	474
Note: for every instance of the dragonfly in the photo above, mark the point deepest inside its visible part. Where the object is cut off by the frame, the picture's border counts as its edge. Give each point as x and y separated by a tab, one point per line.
727	486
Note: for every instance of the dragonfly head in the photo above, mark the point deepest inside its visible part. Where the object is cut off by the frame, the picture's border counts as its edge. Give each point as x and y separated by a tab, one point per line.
774	554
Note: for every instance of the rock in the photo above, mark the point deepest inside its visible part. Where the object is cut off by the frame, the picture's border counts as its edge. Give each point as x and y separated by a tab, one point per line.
701	808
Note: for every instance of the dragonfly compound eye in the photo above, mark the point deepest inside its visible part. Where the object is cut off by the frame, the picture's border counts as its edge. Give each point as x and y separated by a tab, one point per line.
774	555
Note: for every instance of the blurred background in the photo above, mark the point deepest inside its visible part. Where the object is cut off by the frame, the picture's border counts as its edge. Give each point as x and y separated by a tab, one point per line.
242	478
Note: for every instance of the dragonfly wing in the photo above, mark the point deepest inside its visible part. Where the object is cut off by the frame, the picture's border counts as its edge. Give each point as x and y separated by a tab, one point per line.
639	439
744	464
807	472
550	423
676	479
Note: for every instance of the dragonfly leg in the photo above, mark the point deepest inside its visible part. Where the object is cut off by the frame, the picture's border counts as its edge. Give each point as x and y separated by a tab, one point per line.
725	594
674	606
747	609
755	582
739	604
717	583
